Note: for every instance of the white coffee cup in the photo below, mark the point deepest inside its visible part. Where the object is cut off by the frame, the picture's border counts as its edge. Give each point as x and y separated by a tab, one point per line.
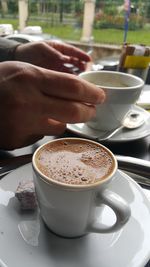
122	91
73	210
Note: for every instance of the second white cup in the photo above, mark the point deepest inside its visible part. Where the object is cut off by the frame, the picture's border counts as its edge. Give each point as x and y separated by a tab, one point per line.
122	91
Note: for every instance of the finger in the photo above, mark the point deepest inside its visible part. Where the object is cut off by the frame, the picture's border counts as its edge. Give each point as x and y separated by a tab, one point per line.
70	87
51	127
71	62
67	68
73	51
71	69
77	63
67	111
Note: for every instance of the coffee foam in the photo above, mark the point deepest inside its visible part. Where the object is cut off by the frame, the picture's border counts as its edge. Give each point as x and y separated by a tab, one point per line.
74	162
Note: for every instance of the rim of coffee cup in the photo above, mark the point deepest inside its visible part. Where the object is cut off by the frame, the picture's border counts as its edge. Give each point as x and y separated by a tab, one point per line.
53	182
123	74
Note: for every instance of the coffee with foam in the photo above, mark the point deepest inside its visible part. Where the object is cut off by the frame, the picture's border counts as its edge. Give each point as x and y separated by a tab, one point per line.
73	161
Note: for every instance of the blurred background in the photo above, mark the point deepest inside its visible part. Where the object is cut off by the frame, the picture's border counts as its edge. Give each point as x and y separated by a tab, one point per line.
100	27
65	19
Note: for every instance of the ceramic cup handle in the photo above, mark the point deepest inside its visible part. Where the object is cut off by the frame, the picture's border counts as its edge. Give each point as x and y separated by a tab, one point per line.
120	208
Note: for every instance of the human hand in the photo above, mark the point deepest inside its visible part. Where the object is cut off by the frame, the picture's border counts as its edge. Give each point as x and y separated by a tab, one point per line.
53	55
37	102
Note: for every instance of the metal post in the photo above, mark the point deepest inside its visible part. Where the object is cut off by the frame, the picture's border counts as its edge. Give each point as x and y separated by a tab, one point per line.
88	19
23	13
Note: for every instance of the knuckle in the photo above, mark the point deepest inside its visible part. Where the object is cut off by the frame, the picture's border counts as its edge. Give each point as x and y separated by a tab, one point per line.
80	87
79	91
75	84
75	113
40	45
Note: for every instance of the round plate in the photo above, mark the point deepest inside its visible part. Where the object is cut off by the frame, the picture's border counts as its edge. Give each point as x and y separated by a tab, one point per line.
25	241
123	135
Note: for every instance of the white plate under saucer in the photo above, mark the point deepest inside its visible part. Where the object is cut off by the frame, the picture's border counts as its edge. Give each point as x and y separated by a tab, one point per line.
123	135
25	241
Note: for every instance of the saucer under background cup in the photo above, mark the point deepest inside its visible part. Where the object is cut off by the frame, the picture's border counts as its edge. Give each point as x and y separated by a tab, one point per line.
124	135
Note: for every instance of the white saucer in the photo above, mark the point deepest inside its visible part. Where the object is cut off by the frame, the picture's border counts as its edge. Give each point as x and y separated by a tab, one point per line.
122	136
144	99
25	241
